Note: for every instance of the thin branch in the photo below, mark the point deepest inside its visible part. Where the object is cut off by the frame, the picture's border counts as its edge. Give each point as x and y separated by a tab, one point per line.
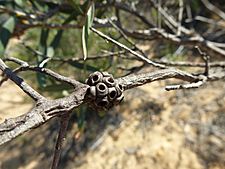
159	16
192	39
195	40
190	64
213	22
180	16
127	38
132	81
205	57
52	74
5	78
16	60
170	18
186	86
126	8
20	82
49	26
128	49
214	9
25	66
64	120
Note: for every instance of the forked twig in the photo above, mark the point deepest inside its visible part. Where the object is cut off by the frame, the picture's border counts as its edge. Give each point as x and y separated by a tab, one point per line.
102	35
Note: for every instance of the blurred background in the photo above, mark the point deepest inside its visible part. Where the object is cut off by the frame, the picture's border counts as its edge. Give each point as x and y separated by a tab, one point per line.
152	128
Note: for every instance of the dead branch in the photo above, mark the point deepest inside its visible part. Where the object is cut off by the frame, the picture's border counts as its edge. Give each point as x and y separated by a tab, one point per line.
44	110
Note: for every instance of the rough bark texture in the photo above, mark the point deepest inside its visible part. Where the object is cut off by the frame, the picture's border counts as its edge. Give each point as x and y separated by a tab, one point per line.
41	113
45	109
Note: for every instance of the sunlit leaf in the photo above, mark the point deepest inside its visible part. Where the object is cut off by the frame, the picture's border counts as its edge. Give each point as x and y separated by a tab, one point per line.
86	29
19	2
84	41
50	51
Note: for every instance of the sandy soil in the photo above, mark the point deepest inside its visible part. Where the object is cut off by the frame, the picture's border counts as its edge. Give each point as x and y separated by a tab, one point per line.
12	101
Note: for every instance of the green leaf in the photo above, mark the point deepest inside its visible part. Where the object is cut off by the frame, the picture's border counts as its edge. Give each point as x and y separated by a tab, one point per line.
42	79
43	43
56	40
86	29
76	6
90	16
54	44
6	31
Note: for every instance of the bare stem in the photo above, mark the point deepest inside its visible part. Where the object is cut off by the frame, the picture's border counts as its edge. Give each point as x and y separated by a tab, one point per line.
64	120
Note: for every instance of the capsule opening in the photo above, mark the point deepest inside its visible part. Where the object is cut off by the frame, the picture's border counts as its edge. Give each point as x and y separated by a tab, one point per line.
95	78
120	86
101	87
112	94
111	80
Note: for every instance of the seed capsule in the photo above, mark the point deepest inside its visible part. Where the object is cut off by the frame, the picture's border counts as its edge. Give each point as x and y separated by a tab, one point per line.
112	93
93	91
94	78
109	81
101	89
102	102
119	89
119	99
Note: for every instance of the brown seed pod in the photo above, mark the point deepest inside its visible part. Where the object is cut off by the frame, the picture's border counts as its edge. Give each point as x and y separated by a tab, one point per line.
104	91
112	93
101	89
109	81
94	78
